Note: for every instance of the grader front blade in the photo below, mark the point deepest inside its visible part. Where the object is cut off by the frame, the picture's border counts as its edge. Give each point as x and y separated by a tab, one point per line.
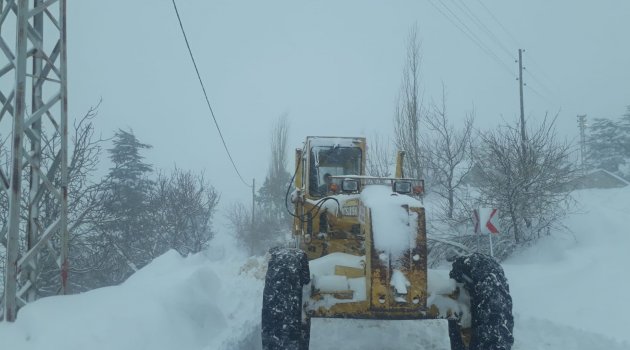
369	334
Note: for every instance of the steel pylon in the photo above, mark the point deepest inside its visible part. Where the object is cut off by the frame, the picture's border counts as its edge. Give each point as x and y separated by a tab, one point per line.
33	70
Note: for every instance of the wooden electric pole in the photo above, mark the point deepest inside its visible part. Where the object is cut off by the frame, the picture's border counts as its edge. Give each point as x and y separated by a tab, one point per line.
520	82
582	126
253	203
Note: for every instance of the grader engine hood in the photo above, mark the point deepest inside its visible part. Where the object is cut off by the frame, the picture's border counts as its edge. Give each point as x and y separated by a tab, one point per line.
379	297
388	276
396	235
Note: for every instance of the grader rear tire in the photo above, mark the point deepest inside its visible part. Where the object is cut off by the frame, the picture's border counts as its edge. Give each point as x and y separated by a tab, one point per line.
282	324
491	303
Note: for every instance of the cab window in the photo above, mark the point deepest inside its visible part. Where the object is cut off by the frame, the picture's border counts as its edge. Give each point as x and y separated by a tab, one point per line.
335	161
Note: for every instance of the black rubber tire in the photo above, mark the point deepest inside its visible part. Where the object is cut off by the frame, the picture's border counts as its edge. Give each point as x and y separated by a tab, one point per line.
455	335
491	303
282	325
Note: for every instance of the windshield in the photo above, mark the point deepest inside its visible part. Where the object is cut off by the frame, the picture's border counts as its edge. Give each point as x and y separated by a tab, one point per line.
333	161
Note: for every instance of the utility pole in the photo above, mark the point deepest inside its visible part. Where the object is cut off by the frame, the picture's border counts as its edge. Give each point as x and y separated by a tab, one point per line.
582	126
520	82
253	203
40	61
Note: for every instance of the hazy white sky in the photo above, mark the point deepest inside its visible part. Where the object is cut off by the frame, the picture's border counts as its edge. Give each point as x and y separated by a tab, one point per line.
334	67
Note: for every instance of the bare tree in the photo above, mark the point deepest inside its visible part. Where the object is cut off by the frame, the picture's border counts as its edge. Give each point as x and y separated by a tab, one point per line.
183	204
528	182
410	110
279	136
84	151
380	158
272	218
447	151
272	194
239	217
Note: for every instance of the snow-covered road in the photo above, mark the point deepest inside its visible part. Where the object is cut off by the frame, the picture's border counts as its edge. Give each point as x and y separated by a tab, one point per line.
569	292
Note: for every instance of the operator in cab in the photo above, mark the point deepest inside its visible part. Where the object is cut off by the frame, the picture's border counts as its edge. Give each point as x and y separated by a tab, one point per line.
327	186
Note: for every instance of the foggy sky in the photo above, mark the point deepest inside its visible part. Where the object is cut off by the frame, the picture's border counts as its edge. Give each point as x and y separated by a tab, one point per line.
335	68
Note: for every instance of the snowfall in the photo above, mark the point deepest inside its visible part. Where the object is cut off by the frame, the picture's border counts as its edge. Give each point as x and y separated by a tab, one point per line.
570	291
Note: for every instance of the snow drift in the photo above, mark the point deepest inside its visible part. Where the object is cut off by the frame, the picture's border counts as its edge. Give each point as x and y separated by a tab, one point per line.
569	292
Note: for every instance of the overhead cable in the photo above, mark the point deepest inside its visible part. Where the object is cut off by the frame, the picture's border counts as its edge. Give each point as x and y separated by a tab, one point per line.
203	88
539	94
540	69
470	14
540	83
529	56
472	36
499	23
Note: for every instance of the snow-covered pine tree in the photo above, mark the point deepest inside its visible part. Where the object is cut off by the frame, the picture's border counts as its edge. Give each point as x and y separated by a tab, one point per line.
126	229
624	127
606	149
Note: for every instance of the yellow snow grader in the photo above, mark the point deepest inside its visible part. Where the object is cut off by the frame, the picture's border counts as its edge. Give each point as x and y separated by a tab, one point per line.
357	274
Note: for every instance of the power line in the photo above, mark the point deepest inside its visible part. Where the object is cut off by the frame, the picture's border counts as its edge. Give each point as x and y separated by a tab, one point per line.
513	38
473	37
546	76
470	14
203	88
499	23
539	82
538	94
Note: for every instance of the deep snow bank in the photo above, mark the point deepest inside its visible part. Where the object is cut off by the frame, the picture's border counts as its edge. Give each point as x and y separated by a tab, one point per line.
205	301
580	279
569	292
540	334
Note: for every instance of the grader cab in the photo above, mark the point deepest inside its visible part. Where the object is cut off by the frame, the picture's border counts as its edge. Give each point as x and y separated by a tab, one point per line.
357	275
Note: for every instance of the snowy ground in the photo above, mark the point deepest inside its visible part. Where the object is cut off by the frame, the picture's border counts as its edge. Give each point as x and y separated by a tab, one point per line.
580	280
570	292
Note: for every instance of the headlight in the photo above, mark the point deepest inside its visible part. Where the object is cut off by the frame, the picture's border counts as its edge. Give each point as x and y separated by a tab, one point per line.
350	185
402	187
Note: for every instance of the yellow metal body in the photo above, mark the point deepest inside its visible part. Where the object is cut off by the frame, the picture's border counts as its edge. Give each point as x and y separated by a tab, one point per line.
344	225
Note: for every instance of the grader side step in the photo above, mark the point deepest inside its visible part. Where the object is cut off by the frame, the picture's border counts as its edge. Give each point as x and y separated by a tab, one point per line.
360	334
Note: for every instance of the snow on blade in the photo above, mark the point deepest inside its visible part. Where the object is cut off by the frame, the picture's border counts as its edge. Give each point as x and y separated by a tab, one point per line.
394	229
400	282
326	264
440	285
323	278
351	334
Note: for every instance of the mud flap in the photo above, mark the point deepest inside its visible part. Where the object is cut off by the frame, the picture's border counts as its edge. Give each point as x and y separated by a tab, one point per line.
350	334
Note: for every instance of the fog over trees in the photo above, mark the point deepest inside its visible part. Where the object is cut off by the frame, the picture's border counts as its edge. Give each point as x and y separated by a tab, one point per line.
122	220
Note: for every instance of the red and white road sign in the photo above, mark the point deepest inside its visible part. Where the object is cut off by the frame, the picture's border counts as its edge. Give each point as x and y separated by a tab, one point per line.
484	220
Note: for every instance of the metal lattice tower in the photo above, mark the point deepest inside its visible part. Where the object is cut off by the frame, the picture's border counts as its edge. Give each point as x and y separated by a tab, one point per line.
33	69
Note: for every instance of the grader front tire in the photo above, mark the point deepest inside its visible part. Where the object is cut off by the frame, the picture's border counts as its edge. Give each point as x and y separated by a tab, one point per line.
491	303
282	322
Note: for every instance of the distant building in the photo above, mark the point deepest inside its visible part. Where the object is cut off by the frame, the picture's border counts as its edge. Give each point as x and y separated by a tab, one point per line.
598	178
474	177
